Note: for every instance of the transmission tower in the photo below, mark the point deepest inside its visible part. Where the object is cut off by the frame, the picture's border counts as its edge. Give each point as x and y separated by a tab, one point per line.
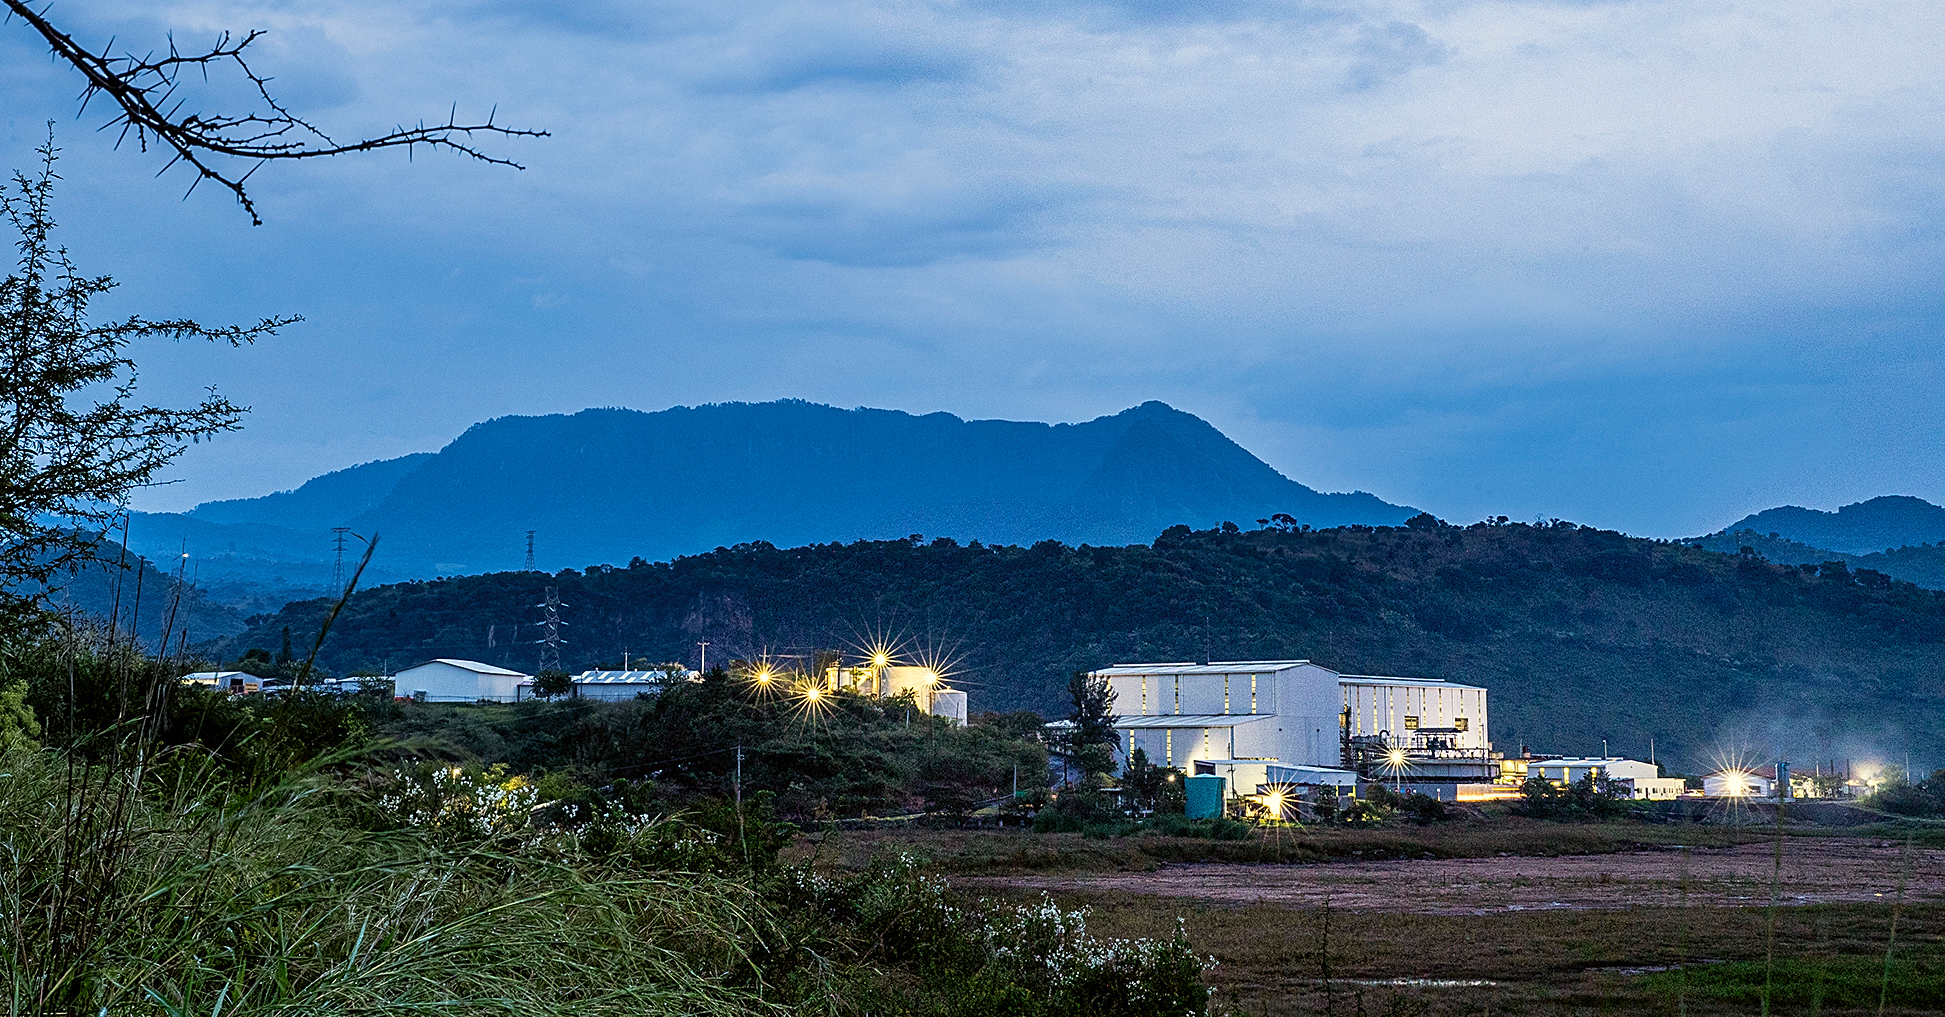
530	552
337	569
550	623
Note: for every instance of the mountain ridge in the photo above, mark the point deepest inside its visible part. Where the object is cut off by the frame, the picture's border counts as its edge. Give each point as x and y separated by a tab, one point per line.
605	485
1875	524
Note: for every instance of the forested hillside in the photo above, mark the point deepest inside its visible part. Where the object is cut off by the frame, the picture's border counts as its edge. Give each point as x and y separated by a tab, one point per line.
1878	524
1923	564
1580	634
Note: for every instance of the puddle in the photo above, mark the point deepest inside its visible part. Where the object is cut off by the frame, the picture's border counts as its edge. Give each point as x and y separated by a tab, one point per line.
1414	983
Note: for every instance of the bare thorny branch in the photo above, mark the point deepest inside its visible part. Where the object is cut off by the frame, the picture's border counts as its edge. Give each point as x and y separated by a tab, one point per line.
144	90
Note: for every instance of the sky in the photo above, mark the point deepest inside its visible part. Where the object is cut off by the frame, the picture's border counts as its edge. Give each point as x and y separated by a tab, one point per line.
1644	265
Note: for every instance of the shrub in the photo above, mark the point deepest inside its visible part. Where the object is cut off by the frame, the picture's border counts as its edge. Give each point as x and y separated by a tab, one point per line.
127	892
979	956
1586	798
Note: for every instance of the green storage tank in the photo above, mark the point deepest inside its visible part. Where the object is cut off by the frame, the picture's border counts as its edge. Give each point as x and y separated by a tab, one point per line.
1205	795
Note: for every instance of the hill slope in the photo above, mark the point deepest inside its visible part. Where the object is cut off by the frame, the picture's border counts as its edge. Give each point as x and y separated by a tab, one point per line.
1875	525
605	485
1580	634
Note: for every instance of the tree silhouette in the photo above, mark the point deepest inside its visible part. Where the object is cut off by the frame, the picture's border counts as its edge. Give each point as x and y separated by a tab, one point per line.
74	442
146	93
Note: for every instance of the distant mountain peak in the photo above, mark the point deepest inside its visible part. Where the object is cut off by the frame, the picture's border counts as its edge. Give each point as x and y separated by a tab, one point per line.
605	485
1877	524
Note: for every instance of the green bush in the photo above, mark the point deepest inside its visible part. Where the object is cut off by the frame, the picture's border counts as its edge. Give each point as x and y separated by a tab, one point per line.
1922	798
1586	798
978	957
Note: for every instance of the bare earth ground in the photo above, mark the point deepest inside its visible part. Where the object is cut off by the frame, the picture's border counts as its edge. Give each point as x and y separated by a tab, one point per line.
1813	871
1594	934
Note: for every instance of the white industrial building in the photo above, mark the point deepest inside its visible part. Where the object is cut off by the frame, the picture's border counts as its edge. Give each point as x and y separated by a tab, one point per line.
614	685
1297	713
1741	782
1643	780
925	685
233	682
446	680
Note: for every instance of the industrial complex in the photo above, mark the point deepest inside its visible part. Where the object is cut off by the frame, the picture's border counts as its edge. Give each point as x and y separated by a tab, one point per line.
1286	731
1291	732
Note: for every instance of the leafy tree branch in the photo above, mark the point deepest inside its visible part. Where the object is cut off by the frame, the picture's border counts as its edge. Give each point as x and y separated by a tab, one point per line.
74	441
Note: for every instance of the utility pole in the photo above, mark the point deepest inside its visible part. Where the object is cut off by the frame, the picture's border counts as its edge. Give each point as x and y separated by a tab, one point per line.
704	645
741	833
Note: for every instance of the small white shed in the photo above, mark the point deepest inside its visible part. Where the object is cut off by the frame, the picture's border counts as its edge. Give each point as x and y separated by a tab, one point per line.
1643	780
1737	782
446	680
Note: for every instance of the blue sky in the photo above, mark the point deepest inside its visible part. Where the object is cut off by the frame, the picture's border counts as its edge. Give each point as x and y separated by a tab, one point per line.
1649	265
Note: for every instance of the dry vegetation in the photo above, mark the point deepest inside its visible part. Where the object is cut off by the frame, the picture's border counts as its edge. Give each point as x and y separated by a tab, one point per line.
1505	917
1003	852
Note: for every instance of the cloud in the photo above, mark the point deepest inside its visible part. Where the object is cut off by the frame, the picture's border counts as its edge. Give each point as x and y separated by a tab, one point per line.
1384	52
1543	241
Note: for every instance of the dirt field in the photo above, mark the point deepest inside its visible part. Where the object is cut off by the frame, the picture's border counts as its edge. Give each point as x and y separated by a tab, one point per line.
1813	871
1662	930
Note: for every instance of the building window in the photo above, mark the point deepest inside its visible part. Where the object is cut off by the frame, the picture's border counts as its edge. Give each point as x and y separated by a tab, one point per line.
1252	693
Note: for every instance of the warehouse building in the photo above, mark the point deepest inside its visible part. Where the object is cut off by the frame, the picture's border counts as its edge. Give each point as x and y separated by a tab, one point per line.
614	685
1741	782
1642	780
1297	713
447	680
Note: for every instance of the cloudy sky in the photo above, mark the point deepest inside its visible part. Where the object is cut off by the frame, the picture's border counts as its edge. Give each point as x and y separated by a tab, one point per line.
1649	265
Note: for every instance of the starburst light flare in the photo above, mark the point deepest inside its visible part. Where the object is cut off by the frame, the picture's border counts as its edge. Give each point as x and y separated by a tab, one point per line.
764	679
809	700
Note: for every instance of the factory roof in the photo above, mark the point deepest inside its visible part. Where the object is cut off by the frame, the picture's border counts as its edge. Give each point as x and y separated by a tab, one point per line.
205	677
470	665
1214	667
1179	720
1378	679
625	677
1296	773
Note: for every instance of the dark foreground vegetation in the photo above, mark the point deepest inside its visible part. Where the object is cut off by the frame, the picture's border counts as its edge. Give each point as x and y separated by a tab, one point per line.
1581	634
168	850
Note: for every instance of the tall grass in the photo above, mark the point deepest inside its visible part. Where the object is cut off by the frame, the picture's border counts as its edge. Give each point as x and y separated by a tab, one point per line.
171	891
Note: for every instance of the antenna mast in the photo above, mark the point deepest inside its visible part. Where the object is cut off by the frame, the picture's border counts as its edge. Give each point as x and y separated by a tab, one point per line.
529	567
337	568
550	644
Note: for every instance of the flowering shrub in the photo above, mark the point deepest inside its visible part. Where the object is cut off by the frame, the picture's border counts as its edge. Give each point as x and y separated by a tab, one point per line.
454	804
1022	959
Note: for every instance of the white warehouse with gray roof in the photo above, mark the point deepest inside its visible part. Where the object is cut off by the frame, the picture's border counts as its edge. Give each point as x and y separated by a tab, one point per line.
1296	713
